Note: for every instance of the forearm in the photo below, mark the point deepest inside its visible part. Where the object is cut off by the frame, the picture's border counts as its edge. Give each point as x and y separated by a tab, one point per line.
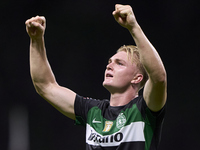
148	55
40	69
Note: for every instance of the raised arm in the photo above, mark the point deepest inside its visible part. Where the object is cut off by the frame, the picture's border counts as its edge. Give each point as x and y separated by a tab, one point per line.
155	90
41	73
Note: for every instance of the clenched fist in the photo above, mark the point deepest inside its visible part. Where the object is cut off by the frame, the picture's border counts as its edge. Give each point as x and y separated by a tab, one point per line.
35	27
124	15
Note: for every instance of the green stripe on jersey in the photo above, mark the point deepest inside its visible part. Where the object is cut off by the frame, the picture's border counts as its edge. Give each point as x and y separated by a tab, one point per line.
102	125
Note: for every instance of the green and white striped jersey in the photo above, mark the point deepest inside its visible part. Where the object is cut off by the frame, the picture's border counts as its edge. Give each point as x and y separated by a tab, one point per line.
129	127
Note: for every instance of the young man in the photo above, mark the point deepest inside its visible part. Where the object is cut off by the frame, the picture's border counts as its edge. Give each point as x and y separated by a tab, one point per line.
127	121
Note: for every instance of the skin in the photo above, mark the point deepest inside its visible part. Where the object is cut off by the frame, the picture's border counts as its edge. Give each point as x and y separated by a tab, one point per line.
123	85
121	79
155	90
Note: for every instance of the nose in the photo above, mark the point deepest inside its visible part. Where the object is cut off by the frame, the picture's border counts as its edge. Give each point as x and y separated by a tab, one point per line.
109	66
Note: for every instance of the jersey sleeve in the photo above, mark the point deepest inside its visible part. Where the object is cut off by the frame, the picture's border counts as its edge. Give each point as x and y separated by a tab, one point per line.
146	112
81	106
153	121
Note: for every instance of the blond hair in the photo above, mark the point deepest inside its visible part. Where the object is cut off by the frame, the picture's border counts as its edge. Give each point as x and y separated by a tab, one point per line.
134	55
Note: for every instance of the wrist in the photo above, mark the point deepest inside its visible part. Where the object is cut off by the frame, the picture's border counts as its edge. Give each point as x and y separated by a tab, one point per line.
135	29
37	40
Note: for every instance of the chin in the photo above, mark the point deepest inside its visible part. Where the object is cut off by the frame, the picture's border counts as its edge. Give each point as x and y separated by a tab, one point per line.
104	84
107	86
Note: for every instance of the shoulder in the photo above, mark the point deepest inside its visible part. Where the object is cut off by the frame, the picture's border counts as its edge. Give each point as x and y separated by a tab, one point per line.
89	102
140	103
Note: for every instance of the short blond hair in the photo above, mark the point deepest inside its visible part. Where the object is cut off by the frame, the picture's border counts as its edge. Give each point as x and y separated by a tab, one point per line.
134	55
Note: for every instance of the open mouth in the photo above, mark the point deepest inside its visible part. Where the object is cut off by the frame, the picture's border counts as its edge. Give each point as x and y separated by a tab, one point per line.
109	75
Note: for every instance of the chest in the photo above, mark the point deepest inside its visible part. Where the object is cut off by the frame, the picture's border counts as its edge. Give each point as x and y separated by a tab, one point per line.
108	127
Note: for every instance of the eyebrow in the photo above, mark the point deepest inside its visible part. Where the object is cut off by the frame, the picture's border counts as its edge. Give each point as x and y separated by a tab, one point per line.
117	60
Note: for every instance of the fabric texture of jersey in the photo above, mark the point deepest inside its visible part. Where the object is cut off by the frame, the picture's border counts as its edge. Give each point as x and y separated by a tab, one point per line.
129	127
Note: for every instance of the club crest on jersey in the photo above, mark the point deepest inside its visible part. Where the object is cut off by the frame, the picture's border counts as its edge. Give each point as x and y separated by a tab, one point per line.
108	126
121	120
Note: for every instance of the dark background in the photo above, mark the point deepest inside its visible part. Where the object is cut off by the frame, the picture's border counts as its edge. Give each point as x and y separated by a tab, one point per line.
80	37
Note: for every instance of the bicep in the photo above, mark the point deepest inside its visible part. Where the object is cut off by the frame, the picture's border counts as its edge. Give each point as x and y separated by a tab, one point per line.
155	94
61	98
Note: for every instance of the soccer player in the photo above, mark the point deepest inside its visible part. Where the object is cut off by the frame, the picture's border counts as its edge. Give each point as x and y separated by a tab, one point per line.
125	122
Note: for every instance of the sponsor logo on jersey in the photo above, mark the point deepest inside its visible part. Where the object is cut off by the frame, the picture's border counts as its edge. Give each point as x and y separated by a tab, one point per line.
108	126
121	120
97	138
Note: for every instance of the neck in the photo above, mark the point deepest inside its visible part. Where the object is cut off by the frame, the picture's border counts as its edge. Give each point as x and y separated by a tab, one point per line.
120	99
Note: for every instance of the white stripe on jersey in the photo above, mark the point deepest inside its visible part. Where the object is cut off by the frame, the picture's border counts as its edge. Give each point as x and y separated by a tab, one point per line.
129	133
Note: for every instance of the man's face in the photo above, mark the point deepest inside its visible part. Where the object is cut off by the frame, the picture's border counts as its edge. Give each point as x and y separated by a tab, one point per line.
119	73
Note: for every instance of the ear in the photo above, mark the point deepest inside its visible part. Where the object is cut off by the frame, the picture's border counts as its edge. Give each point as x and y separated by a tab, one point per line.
137	79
